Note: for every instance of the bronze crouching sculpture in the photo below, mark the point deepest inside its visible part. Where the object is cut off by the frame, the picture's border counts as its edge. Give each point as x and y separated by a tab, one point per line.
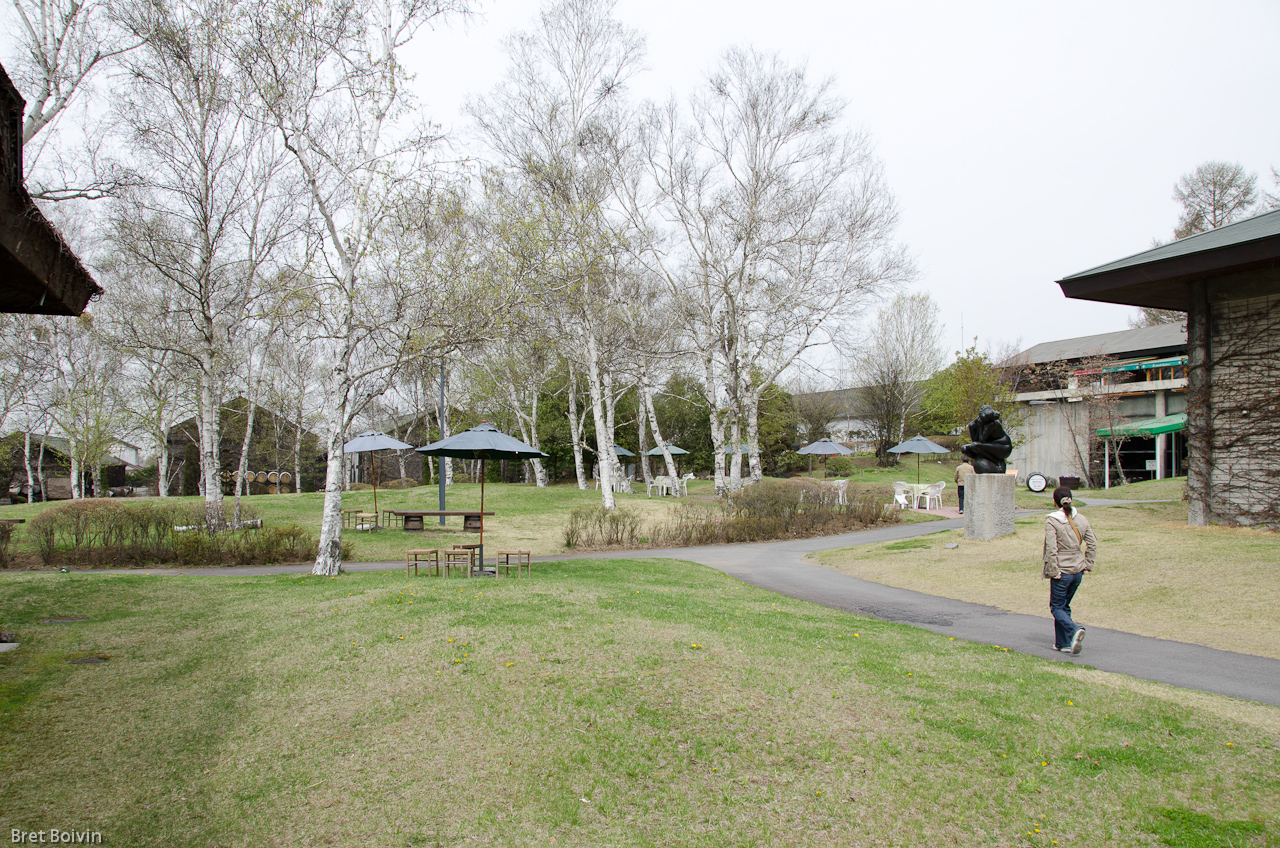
991	444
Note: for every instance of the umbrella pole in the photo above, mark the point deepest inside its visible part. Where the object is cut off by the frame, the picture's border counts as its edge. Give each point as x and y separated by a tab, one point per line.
373	472
375	488
482	476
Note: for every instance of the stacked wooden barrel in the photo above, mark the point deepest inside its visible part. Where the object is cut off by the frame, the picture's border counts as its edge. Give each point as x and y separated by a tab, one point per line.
260	482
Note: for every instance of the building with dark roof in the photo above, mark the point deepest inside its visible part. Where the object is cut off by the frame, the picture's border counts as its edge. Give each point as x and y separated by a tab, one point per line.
1228	282
39	275
1099	407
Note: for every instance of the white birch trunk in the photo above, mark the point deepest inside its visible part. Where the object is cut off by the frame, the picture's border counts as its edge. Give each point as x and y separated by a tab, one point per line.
657	431
26	461
528	423
575	429
44	478
711	388
242	483
329	557
210	458
162	464
735	461
753	437
72	448
604	435
642	439
611	419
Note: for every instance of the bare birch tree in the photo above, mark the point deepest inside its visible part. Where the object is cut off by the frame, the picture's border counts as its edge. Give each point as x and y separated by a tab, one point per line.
553	122
63	45
774	229
892	368
329	77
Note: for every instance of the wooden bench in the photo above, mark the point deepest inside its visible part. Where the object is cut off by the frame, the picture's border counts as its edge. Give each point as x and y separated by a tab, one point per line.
516	560
428	557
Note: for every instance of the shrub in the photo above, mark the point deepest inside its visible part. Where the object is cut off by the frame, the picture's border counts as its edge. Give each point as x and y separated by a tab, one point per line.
951	443
103	532
360	487
769	510
789	462
402	483
597	527
839	466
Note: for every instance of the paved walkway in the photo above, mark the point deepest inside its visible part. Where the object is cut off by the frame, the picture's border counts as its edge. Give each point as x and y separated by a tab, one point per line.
781	567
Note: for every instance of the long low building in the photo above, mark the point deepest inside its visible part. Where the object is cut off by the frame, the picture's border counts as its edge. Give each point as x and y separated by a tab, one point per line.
1227	281
1099	407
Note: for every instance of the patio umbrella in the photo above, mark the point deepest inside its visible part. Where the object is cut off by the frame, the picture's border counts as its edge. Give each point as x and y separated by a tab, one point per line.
621	451
482	442
918	445
675	451
370	443
823	447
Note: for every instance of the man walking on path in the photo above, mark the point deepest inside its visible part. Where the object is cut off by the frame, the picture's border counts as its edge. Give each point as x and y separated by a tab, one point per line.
963	470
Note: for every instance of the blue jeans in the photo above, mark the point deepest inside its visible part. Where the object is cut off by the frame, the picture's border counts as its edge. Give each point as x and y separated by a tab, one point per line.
1061	591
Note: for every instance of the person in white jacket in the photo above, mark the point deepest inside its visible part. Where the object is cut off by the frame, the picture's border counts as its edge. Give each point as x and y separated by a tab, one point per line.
1070	549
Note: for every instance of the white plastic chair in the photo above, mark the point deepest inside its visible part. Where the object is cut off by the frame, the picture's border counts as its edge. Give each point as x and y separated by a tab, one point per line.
934	493
900	495
683	483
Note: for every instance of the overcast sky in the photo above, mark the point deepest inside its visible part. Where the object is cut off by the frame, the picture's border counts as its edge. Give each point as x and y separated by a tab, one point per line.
1024	141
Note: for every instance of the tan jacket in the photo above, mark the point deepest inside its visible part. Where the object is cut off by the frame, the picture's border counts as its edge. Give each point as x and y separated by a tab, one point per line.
963	470
1063	552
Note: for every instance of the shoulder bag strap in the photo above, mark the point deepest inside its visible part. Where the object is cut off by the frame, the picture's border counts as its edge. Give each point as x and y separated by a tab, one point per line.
1079	538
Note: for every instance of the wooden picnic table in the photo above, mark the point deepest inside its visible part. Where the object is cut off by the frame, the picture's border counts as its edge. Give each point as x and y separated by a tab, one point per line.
411	519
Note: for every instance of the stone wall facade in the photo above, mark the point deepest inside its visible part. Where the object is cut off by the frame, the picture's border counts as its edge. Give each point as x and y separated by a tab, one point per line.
1241	434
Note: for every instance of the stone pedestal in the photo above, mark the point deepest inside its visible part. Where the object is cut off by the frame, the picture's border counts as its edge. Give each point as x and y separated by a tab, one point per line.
988	506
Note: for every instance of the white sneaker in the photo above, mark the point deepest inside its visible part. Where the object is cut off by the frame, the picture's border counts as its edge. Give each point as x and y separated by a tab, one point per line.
1076	639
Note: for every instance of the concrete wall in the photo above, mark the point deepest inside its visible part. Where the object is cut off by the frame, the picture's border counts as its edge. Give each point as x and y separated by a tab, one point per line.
1048	442
1055	424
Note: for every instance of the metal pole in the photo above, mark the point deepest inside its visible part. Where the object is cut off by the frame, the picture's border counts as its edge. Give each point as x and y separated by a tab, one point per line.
441	474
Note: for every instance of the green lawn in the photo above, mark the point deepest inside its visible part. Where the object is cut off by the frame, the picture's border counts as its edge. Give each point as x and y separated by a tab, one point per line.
599	703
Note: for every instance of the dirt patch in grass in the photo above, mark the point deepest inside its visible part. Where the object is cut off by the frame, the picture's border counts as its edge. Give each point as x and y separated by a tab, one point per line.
1156	576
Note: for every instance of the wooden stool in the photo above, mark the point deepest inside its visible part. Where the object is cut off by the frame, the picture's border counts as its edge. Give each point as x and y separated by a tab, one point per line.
347	516
366	521
461	558
430	558
514	559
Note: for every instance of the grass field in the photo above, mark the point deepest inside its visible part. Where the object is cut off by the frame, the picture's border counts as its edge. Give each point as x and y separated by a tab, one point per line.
1156	576
619	703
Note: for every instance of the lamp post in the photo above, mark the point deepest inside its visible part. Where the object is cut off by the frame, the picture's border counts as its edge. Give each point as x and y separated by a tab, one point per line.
441	468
